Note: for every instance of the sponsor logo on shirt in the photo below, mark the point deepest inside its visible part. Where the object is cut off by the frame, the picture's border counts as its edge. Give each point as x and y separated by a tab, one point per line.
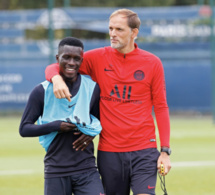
126	93
121	96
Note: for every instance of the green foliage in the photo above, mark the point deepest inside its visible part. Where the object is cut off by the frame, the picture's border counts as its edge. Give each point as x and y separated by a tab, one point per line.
32	4
122	3
192	140
22	4
41	33
38	33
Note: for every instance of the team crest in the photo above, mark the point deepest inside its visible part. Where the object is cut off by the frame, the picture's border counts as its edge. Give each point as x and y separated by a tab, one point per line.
139	75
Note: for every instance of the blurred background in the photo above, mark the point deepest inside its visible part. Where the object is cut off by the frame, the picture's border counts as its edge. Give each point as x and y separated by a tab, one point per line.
179	32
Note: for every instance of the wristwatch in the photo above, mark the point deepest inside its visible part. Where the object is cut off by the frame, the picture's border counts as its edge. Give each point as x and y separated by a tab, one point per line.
167	150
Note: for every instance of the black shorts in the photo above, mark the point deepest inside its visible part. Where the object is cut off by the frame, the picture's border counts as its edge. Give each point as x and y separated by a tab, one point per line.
87	183
122	171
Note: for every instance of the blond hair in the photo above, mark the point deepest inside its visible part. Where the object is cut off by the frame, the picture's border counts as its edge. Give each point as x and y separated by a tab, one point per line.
132	17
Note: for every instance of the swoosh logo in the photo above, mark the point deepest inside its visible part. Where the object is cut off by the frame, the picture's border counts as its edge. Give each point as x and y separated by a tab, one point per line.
70	106
107	69
151	187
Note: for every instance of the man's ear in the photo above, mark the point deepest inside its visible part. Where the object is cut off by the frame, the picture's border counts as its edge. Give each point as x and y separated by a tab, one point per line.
57	57
135	32
82	56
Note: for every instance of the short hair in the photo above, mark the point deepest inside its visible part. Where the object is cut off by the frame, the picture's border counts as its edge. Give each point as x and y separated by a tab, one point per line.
72	41
132	17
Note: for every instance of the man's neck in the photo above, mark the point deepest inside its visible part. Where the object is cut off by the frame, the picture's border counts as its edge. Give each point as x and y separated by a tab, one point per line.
126	49
70	81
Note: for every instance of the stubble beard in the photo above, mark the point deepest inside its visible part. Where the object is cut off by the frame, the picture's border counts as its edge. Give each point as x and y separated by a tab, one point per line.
116	45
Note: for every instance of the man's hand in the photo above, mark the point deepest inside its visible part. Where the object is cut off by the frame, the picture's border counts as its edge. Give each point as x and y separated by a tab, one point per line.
60	88
67	127
165	160
82	142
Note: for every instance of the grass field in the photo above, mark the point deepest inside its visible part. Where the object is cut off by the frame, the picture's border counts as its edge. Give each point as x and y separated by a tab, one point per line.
193	158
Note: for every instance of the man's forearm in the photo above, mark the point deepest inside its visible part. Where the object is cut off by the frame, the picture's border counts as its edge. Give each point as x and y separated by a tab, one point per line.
163	123
51	71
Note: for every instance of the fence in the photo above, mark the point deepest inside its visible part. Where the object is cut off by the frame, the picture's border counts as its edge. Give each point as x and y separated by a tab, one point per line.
180	36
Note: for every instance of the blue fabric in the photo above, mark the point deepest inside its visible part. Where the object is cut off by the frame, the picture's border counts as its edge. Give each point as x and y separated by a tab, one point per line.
124	170
77	111
87	183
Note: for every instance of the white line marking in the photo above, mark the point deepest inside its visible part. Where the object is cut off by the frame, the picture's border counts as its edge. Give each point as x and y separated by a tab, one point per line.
17	172
193	163
174	164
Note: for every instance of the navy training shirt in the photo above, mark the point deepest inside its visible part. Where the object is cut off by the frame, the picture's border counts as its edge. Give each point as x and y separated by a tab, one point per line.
61	159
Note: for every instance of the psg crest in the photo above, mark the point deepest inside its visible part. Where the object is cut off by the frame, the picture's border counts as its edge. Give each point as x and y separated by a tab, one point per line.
139	75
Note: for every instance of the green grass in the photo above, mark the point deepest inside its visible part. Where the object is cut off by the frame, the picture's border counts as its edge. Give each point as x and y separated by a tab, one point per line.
21	159
192	139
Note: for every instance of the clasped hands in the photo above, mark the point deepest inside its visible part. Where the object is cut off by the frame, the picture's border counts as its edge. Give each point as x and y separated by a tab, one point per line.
82	142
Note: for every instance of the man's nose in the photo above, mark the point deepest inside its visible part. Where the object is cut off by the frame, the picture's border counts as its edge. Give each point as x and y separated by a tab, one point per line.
72	61
113	32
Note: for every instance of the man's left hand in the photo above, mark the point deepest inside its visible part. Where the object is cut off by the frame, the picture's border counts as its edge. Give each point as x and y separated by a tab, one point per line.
82	142
165	160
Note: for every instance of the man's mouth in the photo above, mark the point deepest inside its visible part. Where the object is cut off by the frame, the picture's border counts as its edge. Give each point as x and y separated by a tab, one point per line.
70	69
113	40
